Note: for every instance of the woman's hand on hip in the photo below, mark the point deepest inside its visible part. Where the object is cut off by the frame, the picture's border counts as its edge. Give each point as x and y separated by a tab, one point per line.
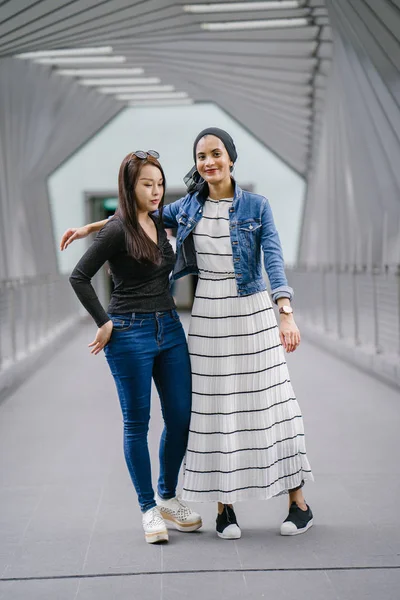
289	333
102	337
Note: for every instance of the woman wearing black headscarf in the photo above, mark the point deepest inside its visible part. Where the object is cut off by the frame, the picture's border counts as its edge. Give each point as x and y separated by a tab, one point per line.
246	437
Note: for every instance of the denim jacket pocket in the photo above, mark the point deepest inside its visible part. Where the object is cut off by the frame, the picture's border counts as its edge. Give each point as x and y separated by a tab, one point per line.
249	232
182	219
250	225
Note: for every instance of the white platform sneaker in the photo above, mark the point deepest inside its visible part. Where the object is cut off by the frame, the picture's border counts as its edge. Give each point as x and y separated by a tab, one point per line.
154	526
174	511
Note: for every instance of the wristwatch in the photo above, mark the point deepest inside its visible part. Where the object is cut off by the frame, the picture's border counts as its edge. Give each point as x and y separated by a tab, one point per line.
285	310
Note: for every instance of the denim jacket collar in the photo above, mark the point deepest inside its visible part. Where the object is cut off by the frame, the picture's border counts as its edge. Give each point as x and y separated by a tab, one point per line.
202	195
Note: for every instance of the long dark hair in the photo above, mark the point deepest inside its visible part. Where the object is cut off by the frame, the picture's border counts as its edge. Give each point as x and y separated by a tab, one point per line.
138	243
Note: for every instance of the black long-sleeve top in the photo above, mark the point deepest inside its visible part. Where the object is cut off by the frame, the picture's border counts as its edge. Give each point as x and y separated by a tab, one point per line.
138	287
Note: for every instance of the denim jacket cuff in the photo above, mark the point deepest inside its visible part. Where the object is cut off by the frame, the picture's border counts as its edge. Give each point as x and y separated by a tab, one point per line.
284	291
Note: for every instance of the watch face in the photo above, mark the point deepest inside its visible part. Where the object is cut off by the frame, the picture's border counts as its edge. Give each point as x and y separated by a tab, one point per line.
286	309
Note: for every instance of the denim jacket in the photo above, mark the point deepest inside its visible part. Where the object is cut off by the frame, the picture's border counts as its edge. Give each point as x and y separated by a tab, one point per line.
252	228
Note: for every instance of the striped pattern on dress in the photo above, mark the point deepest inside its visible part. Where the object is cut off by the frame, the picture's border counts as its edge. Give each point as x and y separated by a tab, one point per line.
246	438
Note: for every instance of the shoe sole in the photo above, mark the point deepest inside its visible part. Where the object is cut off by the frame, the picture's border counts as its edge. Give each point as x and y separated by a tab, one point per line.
300	531
158	536
224	536
184	527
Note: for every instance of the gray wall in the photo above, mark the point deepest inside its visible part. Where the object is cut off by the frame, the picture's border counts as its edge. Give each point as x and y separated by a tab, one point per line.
42	121
352	211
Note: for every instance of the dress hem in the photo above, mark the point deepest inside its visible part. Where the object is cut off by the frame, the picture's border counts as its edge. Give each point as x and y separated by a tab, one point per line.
245	495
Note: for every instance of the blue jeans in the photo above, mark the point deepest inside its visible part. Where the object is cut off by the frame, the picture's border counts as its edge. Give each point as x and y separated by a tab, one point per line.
145	346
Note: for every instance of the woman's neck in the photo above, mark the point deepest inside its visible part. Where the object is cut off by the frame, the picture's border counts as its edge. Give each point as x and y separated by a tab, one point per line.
223	189
144	218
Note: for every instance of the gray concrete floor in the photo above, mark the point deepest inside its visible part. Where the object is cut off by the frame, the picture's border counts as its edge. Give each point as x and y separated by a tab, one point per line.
70	527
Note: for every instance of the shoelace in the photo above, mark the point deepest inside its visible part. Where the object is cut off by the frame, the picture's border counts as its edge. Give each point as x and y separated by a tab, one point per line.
182	506
156	518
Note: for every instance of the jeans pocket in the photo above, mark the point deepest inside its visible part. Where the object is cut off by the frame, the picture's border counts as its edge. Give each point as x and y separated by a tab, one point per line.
122	322
175	315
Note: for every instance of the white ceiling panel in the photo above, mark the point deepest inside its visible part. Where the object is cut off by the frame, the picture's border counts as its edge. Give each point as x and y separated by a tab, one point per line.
271	80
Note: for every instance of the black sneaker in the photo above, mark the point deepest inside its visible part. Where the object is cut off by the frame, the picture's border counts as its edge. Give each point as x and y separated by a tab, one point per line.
227	526
297	521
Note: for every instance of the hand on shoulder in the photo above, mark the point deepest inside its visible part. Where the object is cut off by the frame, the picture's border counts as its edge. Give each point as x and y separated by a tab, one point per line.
72	234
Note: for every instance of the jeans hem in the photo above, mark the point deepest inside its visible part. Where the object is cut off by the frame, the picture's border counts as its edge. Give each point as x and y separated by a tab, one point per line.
164	498
146	508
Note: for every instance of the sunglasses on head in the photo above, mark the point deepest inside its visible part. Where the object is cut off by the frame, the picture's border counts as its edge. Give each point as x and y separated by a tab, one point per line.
141	154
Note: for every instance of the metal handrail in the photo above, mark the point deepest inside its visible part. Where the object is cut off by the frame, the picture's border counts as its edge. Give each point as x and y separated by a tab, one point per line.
32	311
358	304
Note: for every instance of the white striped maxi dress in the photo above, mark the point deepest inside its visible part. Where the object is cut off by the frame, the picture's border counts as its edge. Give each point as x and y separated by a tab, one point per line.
246	438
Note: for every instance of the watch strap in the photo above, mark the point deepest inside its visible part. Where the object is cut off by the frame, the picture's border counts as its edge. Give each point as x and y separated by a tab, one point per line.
285	310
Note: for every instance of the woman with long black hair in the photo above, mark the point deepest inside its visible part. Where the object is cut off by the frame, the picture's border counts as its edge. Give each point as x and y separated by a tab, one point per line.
143	338
246	438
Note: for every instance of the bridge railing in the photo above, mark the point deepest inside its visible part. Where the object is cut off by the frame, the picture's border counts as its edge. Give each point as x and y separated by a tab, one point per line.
33	310
359	305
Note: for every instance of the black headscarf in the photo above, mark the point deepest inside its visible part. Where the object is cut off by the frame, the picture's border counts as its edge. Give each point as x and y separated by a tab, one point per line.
193	180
